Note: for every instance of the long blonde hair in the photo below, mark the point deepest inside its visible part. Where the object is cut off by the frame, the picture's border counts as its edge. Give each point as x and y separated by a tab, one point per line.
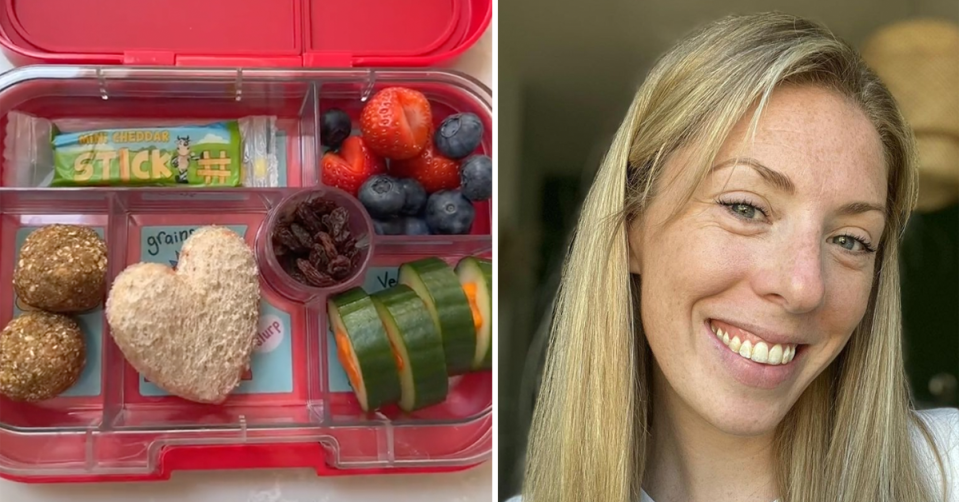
591	423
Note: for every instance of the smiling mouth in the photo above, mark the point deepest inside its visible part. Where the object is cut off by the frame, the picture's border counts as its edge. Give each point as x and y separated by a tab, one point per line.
750	346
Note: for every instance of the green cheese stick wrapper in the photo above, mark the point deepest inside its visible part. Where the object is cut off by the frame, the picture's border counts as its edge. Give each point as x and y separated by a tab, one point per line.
208	155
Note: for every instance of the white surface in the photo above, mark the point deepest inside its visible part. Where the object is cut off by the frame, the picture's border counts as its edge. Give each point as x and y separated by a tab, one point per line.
269	486
286	485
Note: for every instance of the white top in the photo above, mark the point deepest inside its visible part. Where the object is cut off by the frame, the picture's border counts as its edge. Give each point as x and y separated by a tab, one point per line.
943	423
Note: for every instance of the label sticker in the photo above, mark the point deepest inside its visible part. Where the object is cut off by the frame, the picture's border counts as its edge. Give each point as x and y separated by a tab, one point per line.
91	323
270	334
271	367
377	279
161	244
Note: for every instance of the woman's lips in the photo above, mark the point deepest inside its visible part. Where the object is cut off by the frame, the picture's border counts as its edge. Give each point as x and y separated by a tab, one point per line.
742	363
751	346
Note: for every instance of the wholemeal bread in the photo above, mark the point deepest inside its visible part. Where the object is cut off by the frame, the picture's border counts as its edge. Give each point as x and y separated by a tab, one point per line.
190	331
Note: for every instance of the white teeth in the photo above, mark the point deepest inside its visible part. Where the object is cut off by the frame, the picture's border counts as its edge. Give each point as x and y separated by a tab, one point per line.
775	354
760	352
734	344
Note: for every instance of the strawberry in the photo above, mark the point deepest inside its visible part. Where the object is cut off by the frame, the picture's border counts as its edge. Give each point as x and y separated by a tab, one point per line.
397	123
354	164
434	171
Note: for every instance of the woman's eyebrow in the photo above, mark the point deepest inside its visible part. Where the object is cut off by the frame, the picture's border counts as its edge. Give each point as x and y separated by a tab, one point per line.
775	178
782	182
854	208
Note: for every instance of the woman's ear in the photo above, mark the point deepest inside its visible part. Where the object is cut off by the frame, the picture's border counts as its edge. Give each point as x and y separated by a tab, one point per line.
634	236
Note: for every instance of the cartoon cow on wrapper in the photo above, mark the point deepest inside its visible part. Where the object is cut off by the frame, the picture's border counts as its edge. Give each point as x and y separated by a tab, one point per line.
182	159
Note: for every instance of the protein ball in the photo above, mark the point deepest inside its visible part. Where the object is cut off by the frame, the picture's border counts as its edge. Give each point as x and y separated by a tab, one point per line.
41	356
62	268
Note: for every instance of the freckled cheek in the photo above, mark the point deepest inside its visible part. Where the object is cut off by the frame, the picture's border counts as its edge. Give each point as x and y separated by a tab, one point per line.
683	267
703	259
845	307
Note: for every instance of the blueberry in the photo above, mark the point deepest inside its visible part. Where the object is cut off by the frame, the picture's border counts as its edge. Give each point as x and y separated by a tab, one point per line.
476	178
382	196
392	226
448	212
415	196
335	128
459	135
415	226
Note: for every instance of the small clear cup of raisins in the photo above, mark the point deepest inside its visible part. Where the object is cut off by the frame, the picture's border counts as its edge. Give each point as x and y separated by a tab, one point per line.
316	240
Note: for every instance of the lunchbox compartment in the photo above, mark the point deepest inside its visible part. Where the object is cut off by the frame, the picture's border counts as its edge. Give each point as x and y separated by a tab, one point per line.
81	405
84	99
121	427
155	98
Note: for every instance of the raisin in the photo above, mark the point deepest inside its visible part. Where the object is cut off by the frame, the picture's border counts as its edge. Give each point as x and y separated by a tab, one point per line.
314	276
336	221
284	235
355	259
327	227
302	236
280	249
322	207
289	266
340	267
324	239
341	237
287	219
341	214
309	219
345	246
319	258
351	252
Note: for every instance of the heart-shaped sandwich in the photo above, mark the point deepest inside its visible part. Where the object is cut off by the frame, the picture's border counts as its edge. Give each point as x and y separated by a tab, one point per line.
191	330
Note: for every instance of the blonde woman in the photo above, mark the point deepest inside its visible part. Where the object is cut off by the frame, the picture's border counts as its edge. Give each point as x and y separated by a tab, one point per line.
728	323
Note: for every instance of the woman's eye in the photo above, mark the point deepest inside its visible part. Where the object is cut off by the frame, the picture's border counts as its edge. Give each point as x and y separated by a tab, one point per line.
851	243
744	210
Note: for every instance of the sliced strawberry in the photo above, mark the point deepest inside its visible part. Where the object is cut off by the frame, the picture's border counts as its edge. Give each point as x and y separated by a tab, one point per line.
353	165
397	123
434	171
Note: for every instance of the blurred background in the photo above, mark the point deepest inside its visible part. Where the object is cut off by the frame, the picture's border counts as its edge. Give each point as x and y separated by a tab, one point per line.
567	71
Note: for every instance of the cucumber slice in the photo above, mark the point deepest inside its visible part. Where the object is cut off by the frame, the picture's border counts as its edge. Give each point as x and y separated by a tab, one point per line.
476	277
364	349
417	344
436	283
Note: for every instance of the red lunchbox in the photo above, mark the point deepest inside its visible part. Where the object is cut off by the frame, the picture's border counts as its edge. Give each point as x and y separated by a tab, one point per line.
114	62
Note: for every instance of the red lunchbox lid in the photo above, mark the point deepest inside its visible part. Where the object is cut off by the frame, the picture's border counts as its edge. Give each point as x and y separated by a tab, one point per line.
277	33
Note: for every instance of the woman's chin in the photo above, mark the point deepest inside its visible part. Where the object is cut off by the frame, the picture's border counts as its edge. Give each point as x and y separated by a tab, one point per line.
744	417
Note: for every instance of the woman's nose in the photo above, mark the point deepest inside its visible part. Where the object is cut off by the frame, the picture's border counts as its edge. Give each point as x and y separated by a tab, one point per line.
794	277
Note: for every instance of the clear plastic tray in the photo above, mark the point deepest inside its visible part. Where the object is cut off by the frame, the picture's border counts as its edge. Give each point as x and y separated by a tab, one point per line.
295	408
